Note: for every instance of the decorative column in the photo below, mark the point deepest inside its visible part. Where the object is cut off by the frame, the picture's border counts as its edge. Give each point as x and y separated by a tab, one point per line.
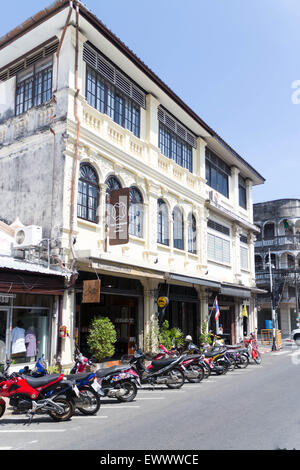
236	255
234	187
249	185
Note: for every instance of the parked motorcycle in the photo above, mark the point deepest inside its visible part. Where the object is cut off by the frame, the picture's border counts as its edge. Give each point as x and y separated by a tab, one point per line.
120	382
252	346
162	372
30	395
190	364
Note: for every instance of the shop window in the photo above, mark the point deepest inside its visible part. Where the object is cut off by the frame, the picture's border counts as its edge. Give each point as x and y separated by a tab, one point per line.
135	212
88	193
178	229
162	223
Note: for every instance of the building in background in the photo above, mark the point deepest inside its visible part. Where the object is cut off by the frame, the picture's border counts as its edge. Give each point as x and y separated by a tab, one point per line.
83	117
279	222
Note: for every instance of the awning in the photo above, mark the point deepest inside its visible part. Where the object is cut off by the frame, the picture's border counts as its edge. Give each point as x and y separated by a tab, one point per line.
236	292
195	280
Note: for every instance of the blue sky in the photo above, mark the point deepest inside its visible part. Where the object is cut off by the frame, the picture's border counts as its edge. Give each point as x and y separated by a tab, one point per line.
232	61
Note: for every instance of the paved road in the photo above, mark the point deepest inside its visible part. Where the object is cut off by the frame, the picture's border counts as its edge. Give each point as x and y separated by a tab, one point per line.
255	408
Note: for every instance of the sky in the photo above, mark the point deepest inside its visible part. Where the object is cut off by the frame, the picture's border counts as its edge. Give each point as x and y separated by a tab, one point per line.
236	63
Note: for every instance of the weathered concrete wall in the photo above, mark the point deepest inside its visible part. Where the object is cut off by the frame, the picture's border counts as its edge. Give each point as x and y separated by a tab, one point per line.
278	209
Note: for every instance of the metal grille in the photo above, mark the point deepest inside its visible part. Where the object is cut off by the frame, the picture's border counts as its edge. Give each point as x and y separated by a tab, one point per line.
27	62
113	75
176	127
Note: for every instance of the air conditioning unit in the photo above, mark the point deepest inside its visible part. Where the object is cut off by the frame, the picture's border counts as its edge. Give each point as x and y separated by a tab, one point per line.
28	236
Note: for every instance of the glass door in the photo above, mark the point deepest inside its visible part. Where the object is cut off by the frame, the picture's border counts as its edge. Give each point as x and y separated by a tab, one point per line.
4	334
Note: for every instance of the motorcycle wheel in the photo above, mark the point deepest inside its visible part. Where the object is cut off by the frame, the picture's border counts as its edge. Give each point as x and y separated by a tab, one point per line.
207	371
258	358
180	378
195	368
88	402
242	361
131	391
69	408
2	409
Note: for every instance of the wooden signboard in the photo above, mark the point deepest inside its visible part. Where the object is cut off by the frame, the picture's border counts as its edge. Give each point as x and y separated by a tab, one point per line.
118	221
91	292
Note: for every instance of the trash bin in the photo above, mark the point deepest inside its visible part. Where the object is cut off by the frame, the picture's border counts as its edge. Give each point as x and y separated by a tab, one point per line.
269	324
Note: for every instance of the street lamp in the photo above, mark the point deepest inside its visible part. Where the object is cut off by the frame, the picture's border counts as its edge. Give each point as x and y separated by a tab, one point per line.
274	348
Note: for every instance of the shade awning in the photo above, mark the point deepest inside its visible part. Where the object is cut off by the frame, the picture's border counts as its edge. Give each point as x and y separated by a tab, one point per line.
195	280
236	292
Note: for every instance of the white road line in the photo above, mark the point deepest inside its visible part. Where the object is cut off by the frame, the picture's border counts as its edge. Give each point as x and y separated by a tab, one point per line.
5	448
151	398
116	407
86	417
32	430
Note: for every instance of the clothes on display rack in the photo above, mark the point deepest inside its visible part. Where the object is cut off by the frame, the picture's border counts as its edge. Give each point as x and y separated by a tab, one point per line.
18	340
30	342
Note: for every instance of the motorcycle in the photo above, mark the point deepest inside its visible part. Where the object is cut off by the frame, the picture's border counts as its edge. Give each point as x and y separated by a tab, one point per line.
120	382
191	365
252	346
162	371
88	399
30	395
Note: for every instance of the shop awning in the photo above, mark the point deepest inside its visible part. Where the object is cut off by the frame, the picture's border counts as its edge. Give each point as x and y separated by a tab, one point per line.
194	280
236	292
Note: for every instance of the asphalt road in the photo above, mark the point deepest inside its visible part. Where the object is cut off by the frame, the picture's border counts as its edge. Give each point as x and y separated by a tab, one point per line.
252	409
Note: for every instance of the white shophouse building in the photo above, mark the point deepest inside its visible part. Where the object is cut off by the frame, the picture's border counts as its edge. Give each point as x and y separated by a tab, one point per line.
82	115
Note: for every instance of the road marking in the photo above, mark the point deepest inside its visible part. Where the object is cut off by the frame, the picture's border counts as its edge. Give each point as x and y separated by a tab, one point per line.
118	407
86	417
32	430
151	398
5	448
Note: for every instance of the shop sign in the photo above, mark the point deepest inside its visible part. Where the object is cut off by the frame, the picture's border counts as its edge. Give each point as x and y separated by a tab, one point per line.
162	302
91	292
119	217
5	298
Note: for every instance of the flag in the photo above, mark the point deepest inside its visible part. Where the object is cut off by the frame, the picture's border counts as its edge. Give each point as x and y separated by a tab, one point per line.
216	308
244	311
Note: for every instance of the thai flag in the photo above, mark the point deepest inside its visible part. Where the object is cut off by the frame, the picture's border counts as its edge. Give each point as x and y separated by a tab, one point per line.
216	308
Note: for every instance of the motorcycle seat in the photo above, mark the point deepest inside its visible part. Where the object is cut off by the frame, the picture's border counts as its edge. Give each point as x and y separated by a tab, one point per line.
111	370
233	346
160	363
40	381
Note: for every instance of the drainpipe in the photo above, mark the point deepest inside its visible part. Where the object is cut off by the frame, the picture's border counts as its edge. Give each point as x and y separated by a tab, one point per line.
75	161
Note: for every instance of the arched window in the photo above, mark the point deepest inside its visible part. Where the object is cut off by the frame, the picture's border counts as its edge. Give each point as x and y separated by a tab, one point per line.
112	183
88	193
135	212
162	223
178	229
192	234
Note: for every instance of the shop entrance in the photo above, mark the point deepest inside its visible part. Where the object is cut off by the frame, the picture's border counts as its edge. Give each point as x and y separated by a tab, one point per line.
226	318
121	300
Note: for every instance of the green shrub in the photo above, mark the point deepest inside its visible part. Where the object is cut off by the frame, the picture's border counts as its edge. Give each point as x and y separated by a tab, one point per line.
102	338
169	336
205	335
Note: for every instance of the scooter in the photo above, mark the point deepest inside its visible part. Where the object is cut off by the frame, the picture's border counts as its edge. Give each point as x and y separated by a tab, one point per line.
30	395
120	382
163	371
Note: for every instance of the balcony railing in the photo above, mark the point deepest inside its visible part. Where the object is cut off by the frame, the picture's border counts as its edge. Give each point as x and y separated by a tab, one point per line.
289	241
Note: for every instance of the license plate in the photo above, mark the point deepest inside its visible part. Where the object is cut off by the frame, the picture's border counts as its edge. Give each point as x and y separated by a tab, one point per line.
96	386
75	388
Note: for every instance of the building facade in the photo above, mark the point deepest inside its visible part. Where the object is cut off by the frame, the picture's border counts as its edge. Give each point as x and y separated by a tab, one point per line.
278	241
82	117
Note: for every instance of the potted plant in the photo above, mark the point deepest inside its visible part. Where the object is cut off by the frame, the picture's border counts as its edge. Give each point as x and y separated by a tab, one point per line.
101	338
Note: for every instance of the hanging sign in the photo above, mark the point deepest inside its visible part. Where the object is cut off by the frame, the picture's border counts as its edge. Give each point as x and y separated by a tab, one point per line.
162	302
118	217
91	292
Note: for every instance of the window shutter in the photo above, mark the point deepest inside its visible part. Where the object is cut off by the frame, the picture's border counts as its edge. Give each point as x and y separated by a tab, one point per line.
176	127
108	71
